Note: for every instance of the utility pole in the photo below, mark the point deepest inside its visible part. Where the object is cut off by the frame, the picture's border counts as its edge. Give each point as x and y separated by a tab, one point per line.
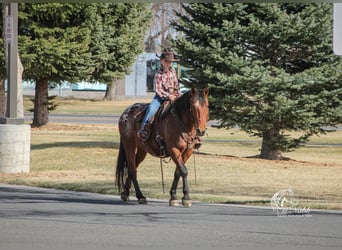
11	34
15	135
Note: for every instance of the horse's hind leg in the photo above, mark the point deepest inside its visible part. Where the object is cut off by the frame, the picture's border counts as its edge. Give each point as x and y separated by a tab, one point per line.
126	188
141	198
139	157
133	162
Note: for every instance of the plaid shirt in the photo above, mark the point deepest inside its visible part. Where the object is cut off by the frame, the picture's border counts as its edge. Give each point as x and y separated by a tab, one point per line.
165	82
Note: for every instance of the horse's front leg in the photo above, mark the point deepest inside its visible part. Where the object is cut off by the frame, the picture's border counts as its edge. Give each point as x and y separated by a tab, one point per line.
181	171
173	191
186	198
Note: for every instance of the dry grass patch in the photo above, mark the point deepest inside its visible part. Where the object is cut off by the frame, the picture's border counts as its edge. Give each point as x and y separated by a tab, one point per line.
83	157
88	106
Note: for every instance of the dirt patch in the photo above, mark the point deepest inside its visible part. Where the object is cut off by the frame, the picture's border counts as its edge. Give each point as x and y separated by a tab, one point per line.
286	162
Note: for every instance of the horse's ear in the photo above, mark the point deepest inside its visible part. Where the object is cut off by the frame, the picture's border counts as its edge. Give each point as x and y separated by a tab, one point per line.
206	91
193	91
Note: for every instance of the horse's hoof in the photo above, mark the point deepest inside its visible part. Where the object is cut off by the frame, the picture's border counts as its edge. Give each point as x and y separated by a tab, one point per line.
124	197
186	203
142	201
174	203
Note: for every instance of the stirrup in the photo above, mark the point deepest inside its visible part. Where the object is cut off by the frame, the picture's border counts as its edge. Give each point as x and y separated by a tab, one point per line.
159	140
144	133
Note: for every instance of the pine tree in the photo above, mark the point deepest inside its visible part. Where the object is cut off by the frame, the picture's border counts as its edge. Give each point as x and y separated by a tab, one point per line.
53	44
118	31
270	68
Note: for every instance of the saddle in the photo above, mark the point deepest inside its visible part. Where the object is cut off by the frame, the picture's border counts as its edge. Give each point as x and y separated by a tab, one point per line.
160	114
163	110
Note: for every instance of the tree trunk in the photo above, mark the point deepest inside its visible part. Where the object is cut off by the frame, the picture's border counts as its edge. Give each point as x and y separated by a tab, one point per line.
268	149
41	113
111	90
2	98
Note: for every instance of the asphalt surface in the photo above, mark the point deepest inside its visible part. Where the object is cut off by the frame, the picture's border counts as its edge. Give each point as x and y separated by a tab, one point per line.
36	218
113	119
83	118
102	119
78	118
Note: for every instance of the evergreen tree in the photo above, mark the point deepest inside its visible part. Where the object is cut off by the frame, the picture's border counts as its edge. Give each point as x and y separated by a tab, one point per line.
270	68
54	48
118	31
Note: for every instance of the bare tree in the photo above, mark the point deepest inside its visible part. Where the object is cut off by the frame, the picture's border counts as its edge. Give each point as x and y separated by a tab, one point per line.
161	30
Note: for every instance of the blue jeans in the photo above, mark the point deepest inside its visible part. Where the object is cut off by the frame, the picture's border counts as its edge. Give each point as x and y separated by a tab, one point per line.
152	108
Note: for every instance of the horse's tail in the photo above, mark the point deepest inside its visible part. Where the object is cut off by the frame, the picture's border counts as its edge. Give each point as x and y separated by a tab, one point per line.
121	165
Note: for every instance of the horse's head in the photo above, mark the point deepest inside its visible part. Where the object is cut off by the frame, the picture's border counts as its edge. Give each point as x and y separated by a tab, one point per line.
199	109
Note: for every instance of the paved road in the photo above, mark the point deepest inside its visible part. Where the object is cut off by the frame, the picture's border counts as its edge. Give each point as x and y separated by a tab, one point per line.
35	218
99	119
82	118
78	118
113	119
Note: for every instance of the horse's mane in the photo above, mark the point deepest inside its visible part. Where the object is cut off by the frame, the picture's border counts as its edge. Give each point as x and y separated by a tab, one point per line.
183	101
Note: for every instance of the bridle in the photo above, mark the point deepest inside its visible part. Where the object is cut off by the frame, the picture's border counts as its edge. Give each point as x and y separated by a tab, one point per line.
188	137
194	118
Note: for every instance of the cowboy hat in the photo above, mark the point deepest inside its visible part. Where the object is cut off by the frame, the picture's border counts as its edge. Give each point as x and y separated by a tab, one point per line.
168	55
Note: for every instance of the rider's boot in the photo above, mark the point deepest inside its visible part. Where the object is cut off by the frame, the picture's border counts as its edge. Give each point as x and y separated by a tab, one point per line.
144	132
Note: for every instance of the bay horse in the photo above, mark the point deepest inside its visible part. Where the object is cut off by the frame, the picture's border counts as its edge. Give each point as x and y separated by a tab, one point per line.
173	134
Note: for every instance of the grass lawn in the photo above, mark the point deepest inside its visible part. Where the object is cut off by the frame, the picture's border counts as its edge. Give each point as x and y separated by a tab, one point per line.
83	157
88	106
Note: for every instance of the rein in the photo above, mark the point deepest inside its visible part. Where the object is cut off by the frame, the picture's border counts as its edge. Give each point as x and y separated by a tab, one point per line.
189	138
